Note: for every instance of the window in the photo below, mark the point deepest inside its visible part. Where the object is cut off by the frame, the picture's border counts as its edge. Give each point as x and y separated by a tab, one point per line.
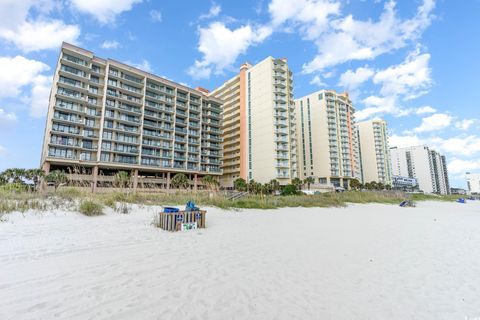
106	145
104	156
107	135
86	156
95	79
90	122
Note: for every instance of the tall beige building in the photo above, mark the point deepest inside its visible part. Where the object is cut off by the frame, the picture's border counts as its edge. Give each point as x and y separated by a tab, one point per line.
259	123
105	116
374	152
327	142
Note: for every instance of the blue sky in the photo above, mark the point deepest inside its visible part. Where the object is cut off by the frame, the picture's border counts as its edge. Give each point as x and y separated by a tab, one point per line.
413	63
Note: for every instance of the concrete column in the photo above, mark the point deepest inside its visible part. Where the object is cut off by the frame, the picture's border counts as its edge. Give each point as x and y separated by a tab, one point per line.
168	181
43	183
94	179
135	179
195	182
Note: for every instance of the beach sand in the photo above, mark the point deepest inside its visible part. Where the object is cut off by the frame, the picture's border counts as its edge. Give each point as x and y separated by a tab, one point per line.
369	261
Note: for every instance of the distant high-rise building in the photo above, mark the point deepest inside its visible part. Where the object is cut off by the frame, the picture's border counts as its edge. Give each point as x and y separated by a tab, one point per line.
427	166
374	152
473	182
259	124
105	116
327	141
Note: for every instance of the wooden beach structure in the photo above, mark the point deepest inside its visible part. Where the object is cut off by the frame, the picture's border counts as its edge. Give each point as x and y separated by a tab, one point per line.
173	221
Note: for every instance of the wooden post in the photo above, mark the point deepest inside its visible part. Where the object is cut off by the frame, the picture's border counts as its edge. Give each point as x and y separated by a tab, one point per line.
168	181
135	180
46	169
94	179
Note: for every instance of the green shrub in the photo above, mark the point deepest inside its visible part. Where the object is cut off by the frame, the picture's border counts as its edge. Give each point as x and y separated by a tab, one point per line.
90	208
289	190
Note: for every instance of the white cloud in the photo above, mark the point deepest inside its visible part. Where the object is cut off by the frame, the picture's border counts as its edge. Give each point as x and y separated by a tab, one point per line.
311	17
155	15
460	167
212	13
434	122
375	105
425	110
7	118
352	79
465	124
40	95
144	65
459	146
403	81
405	141
110	44
409	79
347	39
105	11
221	46
318	81
20	74
33	34
466	146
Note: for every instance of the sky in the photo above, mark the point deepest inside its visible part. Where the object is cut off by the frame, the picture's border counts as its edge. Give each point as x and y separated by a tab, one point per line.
413	63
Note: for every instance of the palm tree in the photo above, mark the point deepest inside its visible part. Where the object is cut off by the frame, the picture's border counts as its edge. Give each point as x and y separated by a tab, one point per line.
12	175
297	183
180	180
252	186
275	185
210	182
266	188
355	184
122	179
240	184
308	181
35	175
58	178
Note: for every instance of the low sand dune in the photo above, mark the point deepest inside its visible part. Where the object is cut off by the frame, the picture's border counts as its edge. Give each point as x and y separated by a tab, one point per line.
362	262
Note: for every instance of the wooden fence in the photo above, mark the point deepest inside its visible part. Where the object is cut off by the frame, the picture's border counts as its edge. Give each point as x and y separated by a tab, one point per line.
172	221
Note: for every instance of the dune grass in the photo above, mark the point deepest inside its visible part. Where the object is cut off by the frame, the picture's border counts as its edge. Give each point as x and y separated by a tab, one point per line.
71	199
90	208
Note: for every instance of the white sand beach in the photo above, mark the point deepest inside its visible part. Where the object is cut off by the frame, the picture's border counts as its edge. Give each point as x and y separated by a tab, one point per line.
361	262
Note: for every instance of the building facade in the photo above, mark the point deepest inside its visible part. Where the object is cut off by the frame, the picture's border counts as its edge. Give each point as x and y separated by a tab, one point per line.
327	139
404	183
473	182
374	152
105	116
426	165
259	124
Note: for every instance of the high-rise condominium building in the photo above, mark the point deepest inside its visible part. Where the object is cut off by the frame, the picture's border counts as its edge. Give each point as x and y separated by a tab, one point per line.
105	116
259	124
473	182
327	141
374	152
427	166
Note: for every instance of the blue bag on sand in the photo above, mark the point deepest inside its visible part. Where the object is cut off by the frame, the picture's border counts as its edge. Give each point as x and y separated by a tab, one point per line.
191	206
461	200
